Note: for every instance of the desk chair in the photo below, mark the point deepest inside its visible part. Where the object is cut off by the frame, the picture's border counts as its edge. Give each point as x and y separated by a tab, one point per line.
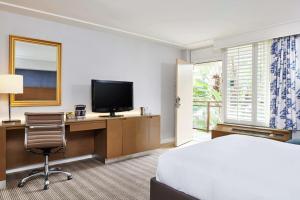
44	134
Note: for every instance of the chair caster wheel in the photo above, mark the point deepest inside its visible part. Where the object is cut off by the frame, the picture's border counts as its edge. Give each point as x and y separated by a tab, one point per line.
55	169
46	187
70	177
20	184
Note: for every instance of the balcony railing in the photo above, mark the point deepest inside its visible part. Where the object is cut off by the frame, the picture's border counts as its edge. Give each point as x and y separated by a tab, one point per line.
206	114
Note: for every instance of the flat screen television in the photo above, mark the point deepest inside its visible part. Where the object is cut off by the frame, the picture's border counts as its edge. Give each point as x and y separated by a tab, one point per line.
112	96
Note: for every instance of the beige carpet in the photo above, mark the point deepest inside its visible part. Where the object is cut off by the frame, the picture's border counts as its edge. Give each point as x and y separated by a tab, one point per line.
91	180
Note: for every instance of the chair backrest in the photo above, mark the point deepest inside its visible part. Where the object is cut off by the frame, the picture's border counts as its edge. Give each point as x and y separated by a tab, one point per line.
44	130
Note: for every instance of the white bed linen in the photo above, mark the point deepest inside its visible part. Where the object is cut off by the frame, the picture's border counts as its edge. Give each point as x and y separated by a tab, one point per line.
234	167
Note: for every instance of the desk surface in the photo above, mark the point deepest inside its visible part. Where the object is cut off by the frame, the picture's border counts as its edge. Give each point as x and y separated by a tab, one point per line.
71	121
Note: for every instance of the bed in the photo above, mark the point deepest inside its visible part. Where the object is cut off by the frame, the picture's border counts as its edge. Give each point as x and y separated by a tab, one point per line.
232	167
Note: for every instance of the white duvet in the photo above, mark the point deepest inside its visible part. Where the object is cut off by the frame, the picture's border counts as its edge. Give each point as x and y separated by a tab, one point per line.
234	167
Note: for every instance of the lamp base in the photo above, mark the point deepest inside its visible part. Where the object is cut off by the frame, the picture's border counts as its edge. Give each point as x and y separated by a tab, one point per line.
11	122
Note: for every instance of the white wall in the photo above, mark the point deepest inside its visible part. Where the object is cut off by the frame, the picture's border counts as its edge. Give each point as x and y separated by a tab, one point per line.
214	52
89	54
281	30
206	54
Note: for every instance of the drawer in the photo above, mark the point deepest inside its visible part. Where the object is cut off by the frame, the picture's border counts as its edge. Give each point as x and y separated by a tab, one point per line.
85	126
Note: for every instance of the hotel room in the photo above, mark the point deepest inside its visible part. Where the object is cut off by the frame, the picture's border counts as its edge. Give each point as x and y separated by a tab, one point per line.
159	100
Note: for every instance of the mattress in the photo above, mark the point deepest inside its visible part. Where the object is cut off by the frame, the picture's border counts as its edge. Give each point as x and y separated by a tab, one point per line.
234	167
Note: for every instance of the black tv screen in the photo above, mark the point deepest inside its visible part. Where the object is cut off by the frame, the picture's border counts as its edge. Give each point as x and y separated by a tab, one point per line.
112	96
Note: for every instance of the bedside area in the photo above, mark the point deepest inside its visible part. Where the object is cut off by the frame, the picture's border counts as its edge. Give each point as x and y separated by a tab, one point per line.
257	131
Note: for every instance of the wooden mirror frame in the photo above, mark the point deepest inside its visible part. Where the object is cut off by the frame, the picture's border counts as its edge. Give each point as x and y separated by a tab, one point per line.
18	103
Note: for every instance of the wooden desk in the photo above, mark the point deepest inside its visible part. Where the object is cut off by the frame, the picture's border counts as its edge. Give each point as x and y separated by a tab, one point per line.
104	137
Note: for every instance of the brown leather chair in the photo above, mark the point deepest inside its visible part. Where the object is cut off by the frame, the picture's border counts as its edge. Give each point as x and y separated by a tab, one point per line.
45	134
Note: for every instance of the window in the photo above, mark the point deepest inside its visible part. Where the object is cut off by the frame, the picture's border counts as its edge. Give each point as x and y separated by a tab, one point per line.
247	87
263	83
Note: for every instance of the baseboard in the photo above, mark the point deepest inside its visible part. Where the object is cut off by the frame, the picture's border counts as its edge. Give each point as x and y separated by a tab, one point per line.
68	160
40	165
167	143
135	155
2	184
167	140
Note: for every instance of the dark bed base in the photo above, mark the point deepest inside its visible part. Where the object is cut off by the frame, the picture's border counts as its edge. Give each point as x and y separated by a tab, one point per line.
160	191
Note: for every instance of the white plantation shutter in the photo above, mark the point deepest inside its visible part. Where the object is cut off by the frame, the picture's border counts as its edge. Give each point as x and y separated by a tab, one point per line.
239	83
263	82
247	84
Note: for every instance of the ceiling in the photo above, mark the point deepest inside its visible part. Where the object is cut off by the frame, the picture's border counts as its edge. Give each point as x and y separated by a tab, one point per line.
184	23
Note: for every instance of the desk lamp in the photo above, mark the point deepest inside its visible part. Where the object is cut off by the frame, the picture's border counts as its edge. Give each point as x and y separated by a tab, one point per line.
11	84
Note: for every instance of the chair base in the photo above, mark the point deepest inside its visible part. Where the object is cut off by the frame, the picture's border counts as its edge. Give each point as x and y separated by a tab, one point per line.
32	176
46	173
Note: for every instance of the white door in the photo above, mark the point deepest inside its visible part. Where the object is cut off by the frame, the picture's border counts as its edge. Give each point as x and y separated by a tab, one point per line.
184	103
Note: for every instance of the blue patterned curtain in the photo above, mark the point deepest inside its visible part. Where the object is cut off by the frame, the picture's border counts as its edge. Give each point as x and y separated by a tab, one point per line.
285	85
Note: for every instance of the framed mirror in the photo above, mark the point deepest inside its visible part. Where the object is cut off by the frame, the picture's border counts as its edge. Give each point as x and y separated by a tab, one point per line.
39	62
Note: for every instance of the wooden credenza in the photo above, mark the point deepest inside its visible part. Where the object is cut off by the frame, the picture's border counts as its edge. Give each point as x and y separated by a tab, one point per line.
129	135
269	133
105	138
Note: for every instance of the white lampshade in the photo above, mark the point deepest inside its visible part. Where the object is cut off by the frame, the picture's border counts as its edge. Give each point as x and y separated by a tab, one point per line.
11	84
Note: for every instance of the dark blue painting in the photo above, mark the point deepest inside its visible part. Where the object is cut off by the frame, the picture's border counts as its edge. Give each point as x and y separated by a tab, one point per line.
38	78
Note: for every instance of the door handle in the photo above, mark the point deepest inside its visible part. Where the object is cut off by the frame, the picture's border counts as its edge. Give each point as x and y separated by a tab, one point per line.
177	104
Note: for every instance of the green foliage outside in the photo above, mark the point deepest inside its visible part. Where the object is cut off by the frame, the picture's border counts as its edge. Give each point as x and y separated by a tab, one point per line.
202	91
207	88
